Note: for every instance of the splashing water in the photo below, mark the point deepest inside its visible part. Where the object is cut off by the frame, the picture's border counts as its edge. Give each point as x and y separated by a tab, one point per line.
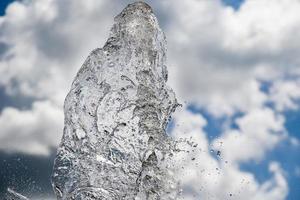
12	195
115	144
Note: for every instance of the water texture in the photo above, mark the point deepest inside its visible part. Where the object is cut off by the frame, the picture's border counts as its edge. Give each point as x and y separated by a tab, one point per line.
114	144
13	195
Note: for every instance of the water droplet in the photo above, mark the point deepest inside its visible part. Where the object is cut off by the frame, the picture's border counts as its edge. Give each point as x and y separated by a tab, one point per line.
111	64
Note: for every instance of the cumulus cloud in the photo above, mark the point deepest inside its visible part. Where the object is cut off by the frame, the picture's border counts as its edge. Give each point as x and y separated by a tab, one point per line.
218	53
48	41
207	174
33	131
285	93
258	131
44	44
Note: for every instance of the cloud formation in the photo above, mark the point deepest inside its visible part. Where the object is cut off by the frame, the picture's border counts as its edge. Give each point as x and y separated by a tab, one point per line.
211	171
217	53
219	59
34	131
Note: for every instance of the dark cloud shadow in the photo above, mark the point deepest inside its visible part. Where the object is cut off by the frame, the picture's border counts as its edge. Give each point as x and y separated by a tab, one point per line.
3	49
16	101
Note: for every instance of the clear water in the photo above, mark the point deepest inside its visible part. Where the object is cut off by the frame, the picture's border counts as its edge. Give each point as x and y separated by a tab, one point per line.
115	144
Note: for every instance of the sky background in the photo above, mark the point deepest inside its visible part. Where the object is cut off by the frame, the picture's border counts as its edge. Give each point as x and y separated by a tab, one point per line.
234	65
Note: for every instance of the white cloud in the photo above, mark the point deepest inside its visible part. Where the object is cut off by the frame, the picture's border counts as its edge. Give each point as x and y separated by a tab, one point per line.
217	53
33	131
259	131
284	94
294	141
214	51
49	40
206	177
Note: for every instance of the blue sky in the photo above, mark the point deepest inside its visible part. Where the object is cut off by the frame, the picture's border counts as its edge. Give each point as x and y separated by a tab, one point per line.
289	155
3	5
229	70
233	3
284	153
